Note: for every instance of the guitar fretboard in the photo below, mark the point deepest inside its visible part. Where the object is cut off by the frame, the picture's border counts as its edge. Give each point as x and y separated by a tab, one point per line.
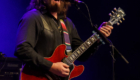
80	50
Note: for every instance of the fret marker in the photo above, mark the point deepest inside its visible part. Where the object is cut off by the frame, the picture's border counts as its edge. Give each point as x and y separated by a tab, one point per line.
83	47
93	39
88	42
71	58
78	52
75	54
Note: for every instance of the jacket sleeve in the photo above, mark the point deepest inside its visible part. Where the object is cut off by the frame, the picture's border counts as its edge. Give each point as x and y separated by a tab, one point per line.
76	42
27	36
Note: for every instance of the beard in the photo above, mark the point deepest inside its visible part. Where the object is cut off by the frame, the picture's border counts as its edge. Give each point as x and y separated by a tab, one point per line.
54	8
60	9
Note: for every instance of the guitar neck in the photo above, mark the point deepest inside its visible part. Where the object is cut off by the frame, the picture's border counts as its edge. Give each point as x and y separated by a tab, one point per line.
80	50
115	18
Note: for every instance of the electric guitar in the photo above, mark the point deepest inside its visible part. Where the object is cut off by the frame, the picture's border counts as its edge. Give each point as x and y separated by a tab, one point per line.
29	73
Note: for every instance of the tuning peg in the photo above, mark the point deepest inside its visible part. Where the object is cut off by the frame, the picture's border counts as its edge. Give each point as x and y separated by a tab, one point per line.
120	21
113	12
118	24
115	9
123	18
110	14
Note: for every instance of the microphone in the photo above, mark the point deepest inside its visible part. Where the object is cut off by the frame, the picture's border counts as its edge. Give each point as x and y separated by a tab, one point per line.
74	1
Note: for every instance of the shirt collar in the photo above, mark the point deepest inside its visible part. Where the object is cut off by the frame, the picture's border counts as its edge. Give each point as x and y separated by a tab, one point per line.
49	14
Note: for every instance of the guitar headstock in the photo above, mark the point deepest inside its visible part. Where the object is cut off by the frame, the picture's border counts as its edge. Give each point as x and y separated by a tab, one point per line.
116	17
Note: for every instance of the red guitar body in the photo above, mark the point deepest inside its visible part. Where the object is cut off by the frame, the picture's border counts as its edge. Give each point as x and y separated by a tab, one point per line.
29	73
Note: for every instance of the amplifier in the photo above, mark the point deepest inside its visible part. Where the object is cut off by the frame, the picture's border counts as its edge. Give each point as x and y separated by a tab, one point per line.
10	68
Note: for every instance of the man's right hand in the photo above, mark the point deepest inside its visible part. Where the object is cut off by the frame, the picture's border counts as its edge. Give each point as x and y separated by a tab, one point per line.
60	69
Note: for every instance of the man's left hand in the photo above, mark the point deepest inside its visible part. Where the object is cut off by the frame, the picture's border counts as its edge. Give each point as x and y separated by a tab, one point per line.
105	29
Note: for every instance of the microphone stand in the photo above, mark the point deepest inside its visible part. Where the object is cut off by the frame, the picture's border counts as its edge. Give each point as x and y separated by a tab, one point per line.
105	40
113	54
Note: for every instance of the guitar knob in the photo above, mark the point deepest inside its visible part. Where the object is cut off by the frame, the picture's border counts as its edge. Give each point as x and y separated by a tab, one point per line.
123	18
115	9
120	21
110	14
118	24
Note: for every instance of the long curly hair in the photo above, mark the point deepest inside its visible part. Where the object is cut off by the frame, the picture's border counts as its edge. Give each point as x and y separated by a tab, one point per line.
41	6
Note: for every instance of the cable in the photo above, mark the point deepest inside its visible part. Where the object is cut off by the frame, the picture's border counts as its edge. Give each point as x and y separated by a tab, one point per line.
3	64
88	13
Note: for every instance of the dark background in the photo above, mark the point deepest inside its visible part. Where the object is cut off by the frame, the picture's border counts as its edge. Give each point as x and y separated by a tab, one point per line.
99	66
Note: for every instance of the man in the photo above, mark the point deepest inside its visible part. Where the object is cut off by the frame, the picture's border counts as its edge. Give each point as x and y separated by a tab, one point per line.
34	41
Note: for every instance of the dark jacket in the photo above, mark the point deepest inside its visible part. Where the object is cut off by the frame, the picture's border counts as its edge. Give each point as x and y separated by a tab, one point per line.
34	42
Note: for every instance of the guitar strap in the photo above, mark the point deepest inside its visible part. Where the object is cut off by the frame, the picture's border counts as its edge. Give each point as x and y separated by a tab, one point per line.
66	37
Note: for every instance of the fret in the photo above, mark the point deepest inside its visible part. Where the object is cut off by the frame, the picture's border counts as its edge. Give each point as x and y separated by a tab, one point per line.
69	59
78	52
88	42
83	47
81	51
86	45
92	38
92	41
96	37
73	56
